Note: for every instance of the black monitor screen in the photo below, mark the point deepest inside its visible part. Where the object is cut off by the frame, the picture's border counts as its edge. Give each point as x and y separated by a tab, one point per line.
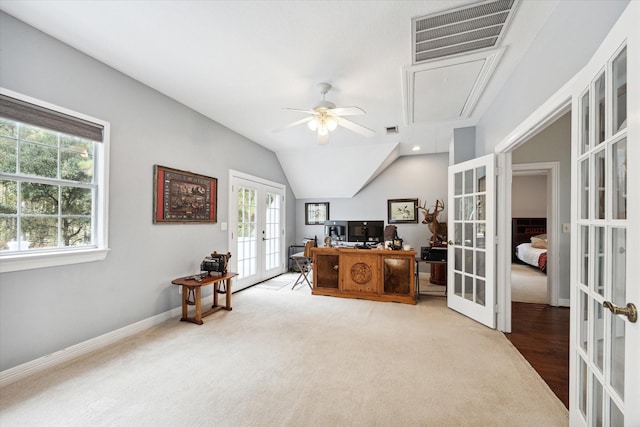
365	231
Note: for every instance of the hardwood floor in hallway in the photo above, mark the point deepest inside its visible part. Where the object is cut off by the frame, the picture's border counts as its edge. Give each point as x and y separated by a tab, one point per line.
541	334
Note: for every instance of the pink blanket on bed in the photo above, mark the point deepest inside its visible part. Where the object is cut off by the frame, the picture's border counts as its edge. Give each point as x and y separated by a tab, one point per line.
542	262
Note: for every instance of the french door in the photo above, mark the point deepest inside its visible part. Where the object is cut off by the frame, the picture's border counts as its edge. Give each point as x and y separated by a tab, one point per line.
605	245
471	249
256	229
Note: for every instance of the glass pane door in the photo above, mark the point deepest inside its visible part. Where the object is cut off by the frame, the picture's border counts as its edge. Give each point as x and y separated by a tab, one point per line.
256	219
471	248
602	345
272	233
246	232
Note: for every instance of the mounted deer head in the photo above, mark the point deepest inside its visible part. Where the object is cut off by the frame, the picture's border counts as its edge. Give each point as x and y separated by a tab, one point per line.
438	229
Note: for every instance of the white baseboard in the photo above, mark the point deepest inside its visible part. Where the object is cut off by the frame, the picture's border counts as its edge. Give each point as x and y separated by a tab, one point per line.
11	375
562	302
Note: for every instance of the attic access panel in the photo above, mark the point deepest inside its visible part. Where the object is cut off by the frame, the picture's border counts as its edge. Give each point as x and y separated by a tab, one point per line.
448	89
443	92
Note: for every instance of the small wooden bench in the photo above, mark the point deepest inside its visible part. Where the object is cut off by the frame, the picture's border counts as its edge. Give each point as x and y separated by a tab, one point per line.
192	294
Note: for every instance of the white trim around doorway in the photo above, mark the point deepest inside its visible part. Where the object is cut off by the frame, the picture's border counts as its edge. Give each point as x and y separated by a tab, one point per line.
236	177
556	106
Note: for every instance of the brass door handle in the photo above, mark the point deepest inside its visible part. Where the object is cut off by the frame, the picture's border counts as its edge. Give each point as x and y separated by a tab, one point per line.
630	310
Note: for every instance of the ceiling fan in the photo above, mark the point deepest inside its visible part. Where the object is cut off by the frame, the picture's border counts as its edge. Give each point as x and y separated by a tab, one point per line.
325	117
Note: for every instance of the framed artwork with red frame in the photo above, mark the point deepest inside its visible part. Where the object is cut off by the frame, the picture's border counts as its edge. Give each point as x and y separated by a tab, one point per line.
183	197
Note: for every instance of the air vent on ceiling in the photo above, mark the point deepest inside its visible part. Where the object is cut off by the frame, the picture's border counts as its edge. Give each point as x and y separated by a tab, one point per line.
460	30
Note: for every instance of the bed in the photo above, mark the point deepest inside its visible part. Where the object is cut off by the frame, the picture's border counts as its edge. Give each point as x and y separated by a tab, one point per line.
529	242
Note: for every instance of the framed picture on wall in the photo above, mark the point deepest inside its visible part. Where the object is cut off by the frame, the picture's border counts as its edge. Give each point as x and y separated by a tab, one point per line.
316	213
183	197
402	211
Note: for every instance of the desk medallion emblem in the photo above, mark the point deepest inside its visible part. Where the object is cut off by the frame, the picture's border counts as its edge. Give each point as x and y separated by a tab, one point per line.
361	273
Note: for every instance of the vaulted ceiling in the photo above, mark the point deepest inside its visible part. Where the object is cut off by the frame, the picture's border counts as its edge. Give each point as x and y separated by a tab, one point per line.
241	63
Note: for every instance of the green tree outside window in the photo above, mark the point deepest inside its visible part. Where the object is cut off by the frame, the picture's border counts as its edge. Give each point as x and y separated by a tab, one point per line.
47	188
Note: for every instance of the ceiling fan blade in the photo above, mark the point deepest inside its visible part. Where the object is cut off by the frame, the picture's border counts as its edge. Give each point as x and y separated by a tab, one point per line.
355	127
302	111
347	111
296	123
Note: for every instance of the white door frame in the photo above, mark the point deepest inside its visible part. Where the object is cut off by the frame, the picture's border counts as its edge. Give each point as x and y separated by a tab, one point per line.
625	29
556	105
551	170
554	108
234	175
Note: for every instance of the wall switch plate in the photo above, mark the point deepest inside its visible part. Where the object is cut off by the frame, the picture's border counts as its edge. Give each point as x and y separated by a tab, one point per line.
566	228
223	226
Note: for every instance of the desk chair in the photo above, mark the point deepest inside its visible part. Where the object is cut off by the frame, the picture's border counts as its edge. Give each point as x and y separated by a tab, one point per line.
304	263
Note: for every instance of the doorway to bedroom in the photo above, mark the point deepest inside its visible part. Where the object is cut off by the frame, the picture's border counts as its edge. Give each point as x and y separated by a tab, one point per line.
540	209
529	281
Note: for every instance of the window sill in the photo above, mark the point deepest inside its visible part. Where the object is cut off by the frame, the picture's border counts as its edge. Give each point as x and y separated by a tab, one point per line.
30	261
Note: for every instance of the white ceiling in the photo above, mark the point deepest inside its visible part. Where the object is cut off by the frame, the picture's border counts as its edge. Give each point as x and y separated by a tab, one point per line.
241	62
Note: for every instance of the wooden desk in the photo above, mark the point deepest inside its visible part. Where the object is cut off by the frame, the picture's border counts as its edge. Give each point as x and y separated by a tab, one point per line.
373	274
192	295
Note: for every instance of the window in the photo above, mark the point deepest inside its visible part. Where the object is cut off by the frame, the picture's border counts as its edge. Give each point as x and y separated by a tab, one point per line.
53	191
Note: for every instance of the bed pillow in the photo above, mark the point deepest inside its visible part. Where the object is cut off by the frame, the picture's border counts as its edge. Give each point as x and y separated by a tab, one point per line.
539	241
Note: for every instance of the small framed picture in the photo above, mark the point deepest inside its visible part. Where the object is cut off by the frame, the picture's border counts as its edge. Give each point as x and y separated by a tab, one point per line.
402	211
316	213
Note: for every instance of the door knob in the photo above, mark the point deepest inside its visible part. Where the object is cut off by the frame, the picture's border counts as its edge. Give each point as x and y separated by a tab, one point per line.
450	242
630	310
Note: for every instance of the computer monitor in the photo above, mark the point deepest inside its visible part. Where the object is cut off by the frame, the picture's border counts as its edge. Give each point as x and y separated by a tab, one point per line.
337	230
370	232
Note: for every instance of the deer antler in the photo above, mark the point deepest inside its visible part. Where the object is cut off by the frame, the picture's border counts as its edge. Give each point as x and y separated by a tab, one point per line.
427	214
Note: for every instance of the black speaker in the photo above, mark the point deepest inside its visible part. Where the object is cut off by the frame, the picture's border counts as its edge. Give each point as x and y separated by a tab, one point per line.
428	253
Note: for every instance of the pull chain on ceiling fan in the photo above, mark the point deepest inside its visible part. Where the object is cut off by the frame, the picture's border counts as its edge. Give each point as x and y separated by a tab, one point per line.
325	118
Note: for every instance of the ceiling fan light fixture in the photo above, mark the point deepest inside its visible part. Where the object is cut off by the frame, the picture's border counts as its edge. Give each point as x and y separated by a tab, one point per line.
325	118
332	123
323	130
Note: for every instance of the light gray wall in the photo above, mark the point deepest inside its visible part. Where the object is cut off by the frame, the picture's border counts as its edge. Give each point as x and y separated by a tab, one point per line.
45	310
464	144
409	177
553	144
564	45
529	196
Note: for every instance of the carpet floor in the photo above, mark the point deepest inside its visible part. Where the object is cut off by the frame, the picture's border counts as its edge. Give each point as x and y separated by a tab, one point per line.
528	285
287	358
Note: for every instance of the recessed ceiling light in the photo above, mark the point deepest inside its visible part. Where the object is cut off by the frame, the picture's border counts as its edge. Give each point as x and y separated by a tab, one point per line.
416	148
